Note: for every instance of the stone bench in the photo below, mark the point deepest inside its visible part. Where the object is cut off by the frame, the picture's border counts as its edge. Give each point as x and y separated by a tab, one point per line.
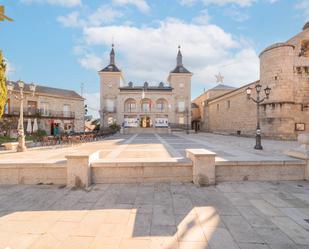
204	168
10	145
13	145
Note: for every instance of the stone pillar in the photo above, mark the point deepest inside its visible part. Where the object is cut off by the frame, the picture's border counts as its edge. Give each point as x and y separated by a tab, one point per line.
204	168
78	169
302	152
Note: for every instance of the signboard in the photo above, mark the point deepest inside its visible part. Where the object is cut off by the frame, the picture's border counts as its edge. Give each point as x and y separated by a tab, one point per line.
161	122
299	127
131	122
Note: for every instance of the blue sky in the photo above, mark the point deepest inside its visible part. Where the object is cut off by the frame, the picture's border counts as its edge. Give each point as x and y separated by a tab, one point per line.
63	43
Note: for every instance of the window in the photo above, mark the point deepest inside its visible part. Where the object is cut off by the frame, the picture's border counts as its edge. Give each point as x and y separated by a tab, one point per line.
130	105
146	105
218	107
161	105
228	104
181	120
181	106
66	110
109	105
44	108
32	106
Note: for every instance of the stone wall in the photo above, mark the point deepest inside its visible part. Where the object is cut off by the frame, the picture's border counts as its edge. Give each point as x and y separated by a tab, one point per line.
231	112
286	72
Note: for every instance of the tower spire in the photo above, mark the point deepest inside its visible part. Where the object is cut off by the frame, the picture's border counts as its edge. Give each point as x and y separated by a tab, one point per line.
112	56
179	57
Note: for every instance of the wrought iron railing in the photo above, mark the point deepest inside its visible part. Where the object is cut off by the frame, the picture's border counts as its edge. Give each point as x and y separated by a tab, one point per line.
32	112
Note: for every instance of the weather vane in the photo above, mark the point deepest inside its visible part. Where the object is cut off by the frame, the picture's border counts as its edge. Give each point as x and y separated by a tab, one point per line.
219	78
3	16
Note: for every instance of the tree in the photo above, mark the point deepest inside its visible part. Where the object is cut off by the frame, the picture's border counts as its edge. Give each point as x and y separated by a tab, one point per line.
3	90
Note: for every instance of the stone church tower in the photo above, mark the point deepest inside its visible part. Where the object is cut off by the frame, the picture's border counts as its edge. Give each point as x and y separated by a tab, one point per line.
180	80
111	79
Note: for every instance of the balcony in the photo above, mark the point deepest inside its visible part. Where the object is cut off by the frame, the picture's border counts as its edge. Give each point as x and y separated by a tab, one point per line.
41	113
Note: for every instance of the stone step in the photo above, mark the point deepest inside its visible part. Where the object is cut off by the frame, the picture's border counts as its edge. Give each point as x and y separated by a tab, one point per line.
139	172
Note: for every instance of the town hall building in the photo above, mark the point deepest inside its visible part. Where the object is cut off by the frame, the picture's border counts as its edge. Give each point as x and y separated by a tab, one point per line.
158	106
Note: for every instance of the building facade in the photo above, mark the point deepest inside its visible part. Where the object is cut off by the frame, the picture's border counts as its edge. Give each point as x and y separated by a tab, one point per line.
51	107
144	106
284	67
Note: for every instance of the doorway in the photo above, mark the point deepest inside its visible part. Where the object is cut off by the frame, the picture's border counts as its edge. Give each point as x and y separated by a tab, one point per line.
145	122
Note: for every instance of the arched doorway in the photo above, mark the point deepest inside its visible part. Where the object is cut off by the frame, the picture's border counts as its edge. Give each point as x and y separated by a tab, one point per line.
145	122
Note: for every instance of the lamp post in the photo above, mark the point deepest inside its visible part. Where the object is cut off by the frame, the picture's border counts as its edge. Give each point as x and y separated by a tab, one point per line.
21	134
258	101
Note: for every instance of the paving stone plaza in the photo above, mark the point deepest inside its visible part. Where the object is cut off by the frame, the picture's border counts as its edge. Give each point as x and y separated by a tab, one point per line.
243	215
164	147
229	215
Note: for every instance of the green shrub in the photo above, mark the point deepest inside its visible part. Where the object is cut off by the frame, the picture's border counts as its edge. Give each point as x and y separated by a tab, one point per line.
114	127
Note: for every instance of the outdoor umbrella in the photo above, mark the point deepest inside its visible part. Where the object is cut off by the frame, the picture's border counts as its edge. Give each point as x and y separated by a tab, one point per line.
35	125
29	127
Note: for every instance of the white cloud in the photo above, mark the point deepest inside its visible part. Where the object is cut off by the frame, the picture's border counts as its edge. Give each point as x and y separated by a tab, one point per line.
303	5
148	53
241	3
91	61
103	15
187	2
142	5
71	20
93	103
64	3
236	14
202	18
10	69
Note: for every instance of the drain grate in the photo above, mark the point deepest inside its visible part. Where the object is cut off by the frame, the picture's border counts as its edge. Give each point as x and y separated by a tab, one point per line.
307	220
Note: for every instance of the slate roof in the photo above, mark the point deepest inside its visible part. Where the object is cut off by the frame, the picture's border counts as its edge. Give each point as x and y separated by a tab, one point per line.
223	87
149	88
110	68
49	91
180	69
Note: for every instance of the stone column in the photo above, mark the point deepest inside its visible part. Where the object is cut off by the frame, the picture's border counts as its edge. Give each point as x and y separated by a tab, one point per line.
78	169
302	152
204	168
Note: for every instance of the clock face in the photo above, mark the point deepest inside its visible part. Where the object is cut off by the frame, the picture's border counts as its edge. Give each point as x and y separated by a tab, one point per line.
181	85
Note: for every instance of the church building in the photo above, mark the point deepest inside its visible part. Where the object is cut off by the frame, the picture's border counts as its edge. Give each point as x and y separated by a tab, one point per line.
131	105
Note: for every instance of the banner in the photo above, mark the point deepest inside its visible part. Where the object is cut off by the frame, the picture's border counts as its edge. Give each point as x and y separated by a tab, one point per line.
131	122
161	122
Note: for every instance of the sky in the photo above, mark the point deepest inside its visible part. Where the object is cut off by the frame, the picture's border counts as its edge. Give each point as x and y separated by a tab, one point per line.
64	43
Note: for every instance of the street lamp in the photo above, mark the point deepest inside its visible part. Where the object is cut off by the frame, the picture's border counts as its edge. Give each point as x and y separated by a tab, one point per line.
21	134
258	101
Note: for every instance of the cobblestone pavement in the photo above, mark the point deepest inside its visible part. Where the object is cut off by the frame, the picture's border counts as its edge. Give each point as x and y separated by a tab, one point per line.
244	215
162	147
